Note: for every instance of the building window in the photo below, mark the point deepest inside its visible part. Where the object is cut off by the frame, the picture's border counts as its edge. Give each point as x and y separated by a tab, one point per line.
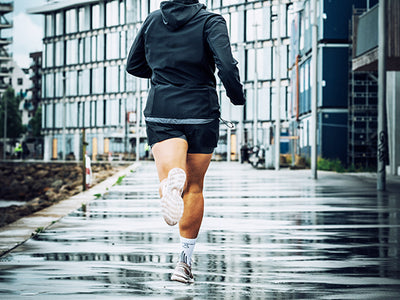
95	16
84	82
71	83
250	67
264	63
49	24
87	116
49	115
87	49
72	115
49	55
84	19
72	52
256	27
112	117
123	47
59	88
94	48
264	112
112	46
20	81
100	113
234	27
80	114
59	113
97	48
112	13
122	74
122	13
81	51
153	5
98	80
71	21
49	84
112	79
59	23
93	113
59	53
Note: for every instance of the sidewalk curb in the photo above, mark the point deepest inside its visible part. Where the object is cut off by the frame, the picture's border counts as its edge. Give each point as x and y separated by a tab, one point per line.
18	232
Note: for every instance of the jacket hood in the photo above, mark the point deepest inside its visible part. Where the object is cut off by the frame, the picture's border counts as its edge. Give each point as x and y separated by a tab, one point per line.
177	13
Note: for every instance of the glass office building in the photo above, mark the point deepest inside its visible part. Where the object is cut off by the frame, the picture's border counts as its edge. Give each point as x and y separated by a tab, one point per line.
85	85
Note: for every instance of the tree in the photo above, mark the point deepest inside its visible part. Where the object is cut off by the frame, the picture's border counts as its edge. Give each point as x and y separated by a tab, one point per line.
35	124
14	121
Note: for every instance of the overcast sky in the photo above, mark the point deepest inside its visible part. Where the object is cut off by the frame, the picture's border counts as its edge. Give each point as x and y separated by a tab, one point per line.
27	31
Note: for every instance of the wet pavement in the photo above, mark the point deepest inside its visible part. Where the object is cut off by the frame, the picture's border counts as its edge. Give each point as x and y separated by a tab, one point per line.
265	235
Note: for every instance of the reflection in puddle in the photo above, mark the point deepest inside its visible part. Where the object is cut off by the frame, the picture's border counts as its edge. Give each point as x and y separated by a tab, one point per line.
7	203
263	237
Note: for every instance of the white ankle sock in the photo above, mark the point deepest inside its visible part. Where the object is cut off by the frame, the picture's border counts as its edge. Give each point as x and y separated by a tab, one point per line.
187	247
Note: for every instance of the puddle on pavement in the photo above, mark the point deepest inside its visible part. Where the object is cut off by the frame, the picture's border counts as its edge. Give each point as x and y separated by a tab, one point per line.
250	247
7	203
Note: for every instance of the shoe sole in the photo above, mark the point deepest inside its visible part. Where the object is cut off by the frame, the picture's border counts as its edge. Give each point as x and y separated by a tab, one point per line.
172	202
181	279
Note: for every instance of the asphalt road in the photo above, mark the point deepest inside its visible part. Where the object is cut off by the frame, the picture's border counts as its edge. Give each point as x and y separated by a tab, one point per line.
265	235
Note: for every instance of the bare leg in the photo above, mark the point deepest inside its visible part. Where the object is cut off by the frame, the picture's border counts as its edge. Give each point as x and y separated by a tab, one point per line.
197	165
170	154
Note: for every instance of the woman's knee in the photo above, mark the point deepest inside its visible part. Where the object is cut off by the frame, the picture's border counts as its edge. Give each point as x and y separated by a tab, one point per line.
193	188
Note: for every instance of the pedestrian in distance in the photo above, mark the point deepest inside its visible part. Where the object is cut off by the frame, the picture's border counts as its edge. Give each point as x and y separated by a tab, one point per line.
179	47
25	150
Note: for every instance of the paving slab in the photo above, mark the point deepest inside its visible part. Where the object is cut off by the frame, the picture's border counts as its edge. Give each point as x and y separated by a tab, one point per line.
265	235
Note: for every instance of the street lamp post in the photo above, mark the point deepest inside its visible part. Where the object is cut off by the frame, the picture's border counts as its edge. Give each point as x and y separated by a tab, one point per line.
64	119
382	132
5	128
138	100
314	91
255	104
278	92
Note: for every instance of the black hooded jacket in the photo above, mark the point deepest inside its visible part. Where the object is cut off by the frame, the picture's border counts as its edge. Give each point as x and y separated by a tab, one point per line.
178	47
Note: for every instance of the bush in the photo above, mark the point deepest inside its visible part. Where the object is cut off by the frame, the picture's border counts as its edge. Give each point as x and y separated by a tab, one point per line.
330	165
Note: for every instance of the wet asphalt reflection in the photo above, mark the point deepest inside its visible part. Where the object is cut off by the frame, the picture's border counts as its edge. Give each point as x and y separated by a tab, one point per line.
265	235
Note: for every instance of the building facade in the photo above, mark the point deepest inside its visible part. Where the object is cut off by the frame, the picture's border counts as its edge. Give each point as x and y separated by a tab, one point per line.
19	80
35	75
374	111
335	88
6	7
85	85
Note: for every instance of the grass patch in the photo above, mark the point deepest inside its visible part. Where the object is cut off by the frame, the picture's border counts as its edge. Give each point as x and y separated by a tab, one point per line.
119	180
39	229
336	165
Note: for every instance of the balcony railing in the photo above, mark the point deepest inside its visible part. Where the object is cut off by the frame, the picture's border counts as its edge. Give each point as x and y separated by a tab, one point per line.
6	6
8	24
6	41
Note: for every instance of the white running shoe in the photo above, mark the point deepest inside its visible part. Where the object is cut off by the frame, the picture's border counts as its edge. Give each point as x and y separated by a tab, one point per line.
182	273
171	200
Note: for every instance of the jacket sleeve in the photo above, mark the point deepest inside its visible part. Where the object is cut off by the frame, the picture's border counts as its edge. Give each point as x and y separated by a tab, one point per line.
136	63
218	40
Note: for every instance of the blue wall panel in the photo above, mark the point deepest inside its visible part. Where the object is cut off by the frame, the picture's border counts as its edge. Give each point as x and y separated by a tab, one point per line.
333	128
335	74
338	14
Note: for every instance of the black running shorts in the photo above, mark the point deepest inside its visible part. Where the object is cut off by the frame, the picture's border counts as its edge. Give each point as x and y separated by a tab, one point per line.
201	138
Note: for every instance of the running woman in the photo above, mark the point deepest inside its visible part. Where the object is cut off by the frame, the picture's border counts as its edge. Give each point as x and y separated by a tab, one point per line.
178	47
